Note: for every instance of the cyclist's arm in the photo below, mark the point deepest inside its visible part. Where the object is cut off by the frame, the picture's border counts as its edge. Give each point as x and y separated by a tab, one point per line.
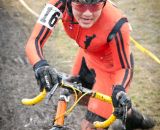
43	28
122	59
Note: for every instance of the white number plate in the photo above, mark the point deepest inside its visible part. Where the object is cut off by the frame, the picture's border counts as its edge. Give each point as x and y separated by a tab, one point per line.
49	16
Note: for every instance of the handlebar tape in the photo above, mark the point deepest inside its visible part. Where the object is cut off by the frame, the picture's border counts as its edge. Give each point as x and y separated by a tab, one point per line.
34	100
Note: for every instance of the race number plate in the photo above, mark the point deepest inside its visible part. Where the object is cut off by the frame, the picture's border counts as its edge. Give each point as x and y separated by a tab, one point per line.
49	16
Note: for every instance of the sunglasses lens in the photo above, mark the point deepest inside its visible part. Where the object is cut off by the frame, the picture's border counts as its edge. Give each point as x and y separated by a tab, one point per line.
91	7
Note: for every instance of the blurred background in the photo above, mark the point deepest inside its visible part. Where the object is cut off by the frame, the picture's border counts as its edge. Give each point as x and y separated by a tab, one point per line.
17	78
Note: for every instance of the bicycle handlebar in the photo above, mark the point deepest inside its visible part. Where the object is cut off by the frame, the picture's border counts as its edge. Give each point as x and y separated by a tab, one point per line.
93	94
35	100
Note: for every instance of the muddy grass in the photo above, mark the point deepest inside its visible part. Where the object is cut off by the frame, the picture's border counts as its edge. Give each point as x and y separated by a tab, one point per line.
17	78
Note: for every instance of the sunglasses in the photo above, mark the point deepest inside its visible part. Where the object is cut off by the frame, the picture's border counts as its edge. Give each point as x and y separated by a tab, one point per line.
81	7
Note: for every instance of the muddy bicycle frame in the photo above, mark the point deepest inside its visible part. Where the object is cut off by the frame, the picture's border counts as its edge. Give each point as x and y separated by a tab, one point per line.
62	103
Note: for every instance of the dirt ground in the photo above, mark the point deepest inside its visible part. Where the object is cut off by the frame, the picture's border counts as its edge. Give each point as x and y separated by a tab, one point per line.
17	78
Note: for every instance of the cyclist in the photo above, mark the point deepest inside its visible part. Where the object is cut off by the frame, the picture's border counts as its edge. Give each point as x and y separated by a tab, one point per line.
104	62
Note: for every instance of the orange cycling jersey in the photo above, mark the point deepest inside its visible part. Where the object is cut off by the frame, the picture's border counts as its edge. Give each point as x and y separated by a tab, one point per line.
104	48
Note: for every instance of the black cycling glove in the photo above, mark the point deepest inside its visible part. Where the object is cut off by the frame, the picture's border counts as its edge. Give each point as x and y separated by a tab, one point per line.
45	75
120	99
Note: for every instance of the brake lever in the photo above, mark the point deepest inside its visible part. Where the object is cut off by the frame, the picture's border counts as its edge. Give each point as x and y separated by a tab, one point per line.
50	94
124	103
124	117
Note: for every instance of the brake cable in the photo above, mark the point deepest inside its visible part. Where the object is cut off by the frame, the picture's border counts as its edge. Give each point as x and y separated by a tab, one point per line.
75	103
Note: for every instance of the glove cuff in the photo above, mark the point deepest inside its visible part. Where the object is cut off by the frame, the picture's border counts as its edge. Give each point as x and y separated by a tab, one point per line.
118	88
40	64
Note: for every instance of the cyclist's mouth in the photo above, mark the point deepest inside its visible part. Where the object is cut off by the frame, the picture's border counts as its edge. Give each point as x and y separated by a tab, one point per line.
86	20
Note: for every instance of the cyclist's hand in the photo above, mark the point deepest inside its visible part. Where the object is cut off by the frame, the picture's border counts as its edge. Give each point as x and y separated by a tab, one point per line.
119	97
121	103
45	75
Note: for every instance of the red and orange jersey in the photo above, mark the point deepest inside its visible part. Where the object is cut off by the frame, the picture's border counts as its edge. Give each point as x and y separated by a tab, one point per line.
104	48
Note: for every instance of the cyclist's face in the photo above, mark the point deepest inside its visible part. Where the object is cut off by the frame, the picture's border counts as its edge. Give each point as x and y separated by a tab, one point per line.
86	15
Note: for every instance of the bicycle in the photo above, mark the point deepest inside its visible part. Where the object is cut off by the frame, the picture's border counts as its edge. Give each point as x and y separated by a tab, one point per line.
70	88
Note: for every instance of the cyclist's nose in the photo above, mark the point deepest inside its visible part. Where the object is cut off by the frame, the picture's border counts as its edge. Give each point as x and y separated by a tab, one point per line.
87	12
